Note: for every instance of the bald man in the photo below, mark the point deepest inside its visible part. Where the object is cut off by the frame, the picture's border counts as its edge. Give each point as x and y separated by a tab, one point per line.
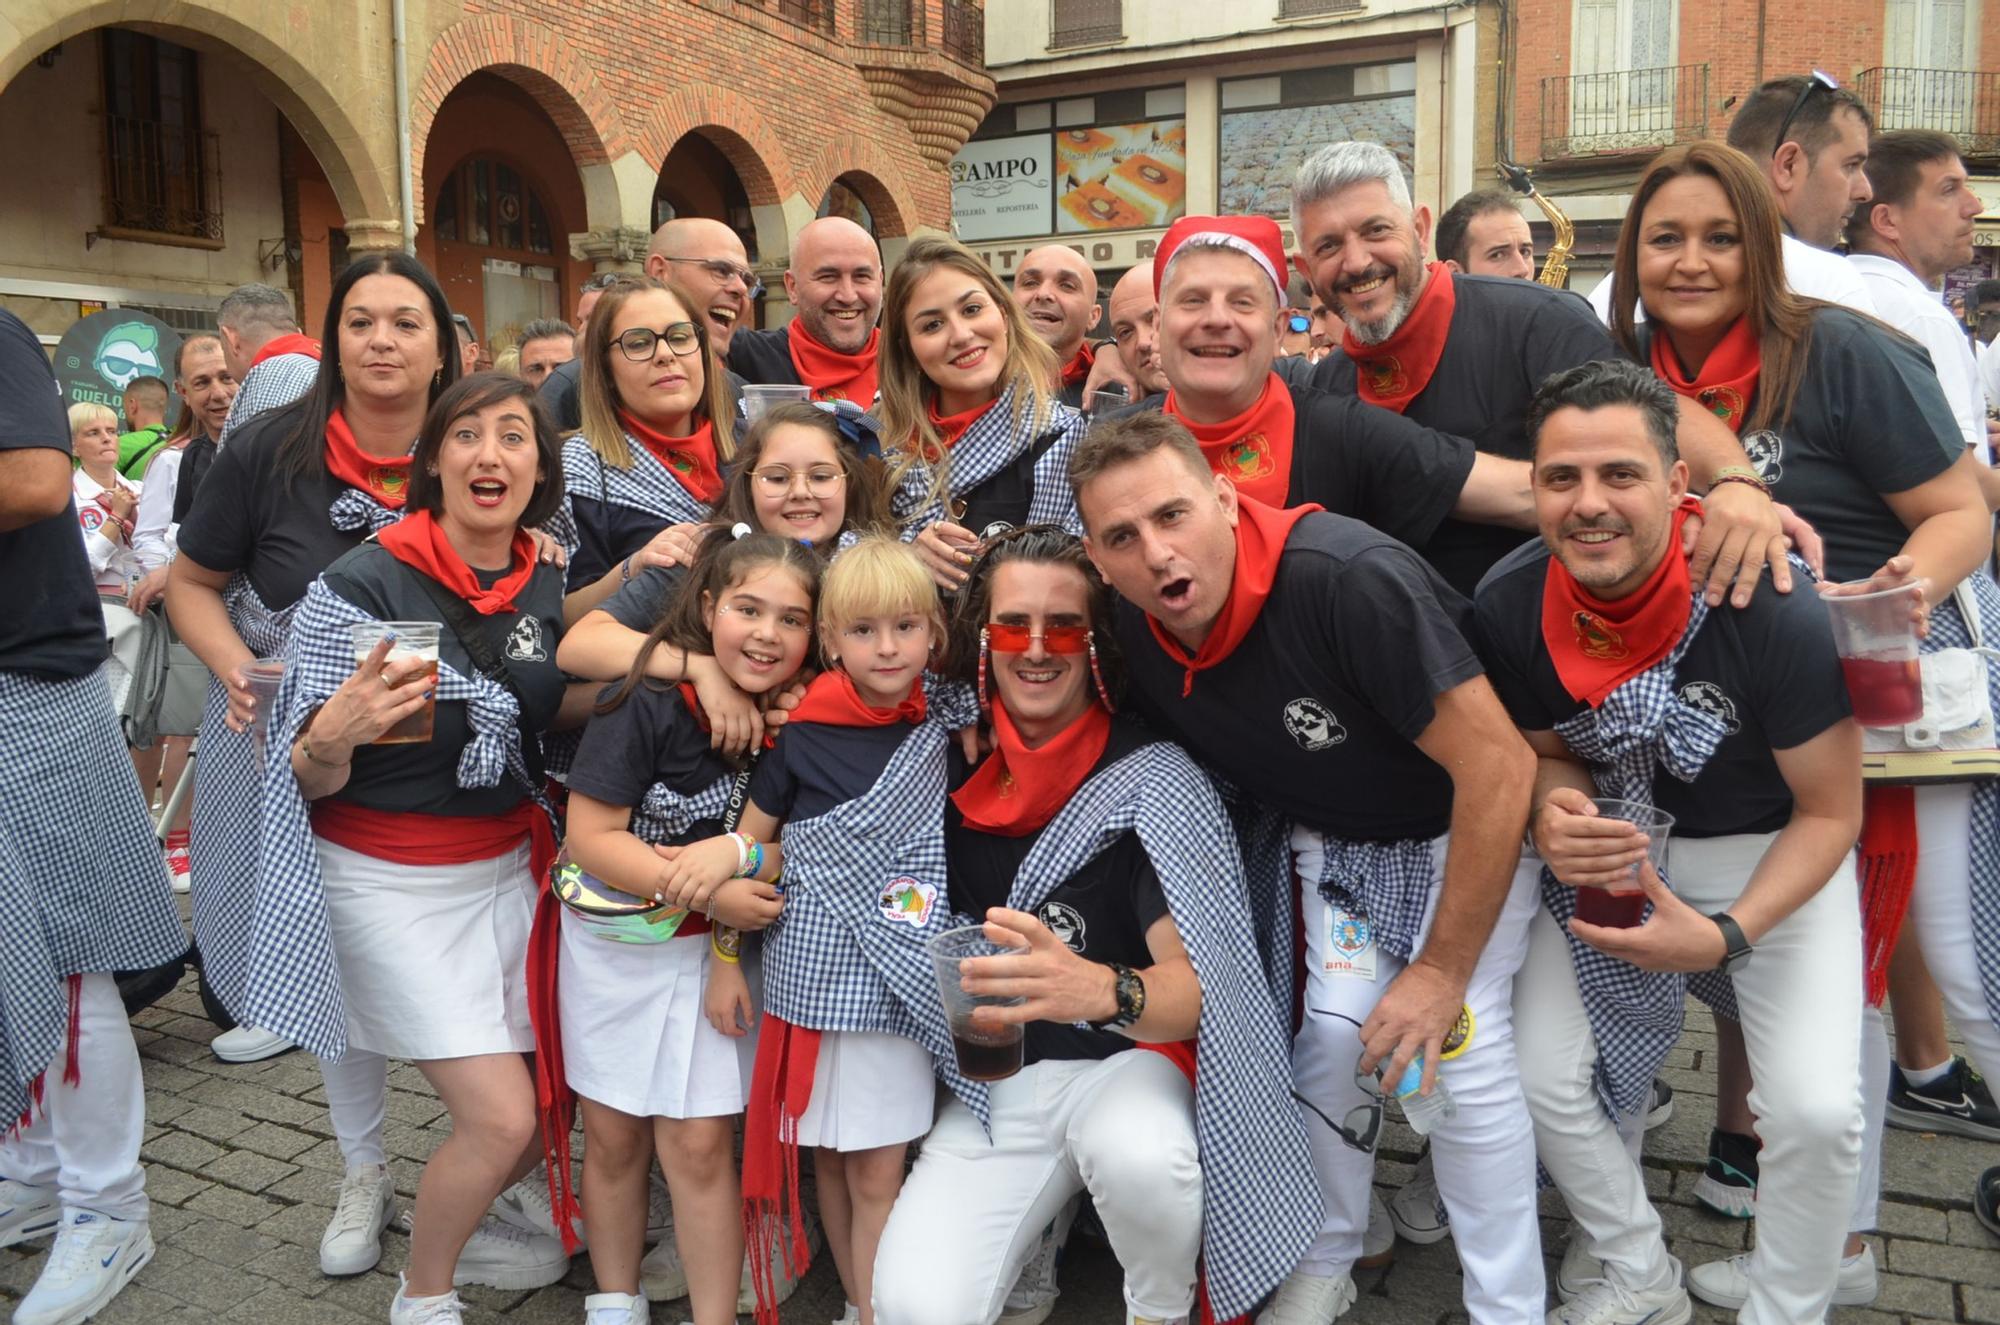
1135	328
1057	291
835	283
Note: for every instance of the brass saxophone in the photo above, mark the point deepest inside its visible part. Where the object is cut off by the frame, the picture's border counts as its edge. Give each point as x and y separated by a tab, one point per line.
1555	267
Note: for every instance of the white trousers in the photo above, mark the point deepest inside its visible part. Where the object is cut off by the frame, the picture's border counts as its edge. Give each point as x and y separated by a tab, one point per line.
1800	996
84	1141
357	1101
972	1210
1484	1158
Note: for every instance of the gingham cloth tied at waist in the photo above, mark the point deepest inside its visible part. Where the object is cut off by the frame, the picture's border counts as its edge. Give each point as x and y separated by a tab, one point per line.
1389	882
643	485
1949	631
1635	1015
357	512
1260	1204
996	440
665	814
294	985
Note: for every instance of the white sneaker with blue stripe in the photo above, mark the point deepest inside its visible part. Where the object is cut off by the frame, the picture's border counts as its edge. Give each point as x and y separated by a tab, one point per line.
93	1258
26	1212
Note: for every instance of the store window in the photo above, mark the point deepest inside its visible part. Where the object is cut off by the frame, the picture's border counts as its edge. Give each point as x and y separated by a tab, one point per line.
1077	166
1272	122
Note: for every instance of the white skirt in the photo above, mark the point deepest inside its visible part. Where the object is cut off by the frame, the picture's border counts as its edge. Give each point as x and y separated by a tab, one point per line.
433	958
869	1090
634	1036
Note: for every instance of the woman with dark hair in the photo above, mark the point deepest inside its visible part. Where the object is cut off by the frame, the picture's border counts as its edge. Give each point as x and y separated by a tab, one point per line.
403	835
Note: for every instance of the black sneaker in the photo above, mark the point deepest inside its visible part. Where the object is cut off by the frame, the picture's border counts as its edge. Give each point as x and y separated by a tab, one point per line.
1728	1185
1986	1200
1959	1102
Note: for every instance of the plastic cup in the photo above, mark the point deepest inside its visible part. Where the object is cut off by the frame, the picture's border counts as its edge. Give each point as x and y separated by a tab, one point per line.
1621	908
1099	402
413	639
984	1053
263	676
757	399
1876	637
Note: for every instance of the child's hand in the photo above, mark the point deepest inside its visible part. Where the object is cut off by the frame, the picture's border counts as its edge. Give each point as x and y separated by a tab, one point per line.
726	1001
692	877
747	904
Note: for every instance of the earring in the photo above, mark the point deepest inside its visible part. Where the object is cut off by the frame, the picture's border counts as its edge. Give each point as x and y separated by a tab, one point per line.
1103	695
437	378
985	650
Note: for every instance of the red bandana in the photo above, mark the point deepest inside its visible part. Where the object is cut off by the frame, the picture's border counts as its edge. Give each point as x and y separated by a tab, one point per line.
291	343
1254	449
418	541
385	478
1018	790
690	459
833	700
1077	371
831	374
1261	532
1395	372
1728	376
1599	646
693	702
953	426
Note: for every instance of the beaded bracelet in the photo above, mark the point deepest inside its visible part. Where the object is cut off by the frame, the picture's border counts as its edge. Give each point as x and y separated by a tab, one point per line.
1738	474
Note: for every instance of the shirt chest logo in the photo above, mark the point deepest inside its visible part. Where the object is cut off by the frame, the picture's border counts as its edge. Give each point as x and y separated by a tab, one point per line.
994	530
1708	697
1313	725
1766	451
1065	922
524	641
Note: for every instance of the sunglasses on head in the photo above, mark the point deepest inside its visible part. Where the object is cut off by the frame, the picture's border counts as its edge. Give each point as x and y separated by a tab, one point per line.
1818	81
1299	322
1003	638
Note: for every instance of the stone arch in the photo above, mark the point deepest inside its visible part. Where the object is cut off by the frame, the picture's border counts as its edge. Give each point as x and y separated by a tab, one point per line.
364	186
759	159
870	172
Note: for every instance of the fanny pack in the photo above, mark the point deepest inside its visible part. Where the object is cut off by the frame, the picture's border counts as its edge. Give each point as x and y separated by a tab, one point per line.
620	917
1955	737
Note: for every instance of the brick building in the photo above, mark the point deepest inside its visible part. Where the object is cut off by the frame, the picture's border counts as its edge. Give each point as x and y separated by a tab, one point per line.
160	152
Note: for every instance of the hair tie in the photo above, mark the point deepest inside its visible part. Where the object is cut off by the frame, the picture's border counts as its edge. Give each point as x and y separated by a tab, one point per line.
740	530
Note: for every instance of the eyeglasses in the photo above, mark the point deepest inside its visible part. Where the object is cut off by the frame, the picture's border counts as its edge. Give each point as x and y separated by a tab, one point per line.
1361	1126
1003	638
1819	81
724	271
683	338
777	480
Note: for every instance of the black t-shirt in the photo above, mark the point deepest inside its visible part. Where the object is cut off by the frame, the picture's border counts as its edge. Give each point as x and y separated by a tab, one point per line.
763	358
651	737
250	517
1506	336
1869	418
641	601
50	623
1002	501
1102	911
1317	710
816	765
1768	671
422	778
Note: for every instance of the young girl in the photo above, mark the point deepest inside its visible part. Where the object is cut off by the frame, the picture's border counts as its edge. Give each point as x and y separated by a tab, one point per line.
653	1076
857	778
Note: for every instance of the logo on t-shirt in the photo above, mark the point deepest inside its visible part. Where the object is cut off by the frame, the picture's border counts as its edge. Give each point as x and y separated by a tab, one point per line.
524	641
1386	376
1064	921
1596	638
1766	450
997	528
1247	458
1708	697
1313	725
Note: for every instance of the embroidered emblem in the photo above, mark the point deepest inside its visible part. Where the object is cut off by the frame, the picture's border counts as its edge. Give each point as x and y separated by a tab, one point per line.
524	641
1248	458
1725	402
1386	376
1459	1036
1767	452
1708	697
908	901
1313	725
91	516
1597	639
388	482
1065	922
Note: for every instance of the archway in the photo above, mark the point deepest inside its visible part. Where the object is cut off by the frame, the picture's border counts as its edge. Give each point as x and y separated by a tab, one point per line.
698	179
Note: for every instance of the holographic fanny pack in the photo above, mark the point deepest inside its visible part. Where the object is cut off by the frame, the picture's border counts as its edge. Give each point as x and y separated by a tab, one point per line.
609	913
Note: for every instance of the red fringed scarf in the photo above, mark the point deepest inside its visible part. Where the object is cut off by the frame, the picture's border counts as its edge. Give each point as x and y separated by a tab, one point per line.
690	459
385	478
1261	532
1728	378
1598	646
1254	449
1888	870
831	374
1395	372
72	1074
418	541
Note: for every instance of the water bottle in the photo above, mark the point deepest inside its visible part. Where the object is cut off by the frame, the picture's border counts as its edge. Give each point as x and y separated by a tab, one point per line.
1424	1113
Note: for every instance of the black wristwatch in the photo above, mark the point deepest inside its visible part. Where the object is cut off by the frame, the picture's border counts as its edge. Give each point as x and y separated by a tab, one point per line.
1131	994
1736	947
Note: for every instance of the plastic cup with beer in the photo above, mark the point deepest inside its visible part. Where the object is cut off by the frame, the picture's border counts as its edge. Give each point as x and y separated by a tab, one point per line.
984	1053
1101	403
757	399
1875	634
263	676
1622	907
409	639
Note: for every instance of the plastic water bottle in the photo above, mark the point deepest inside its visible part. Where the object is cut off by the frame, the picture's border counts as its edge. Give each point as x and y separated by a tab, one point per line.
1424	1113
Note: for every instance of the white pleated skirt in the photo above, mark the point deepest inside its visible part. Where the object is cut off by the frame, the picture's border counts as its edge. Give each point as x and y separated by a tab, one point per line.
433	958
869	1090
634	1036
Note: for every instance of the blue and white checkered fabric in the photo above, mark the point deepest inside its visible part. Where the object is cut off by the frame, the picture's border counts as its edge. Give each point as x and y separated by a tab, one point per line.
356	512
994	441
1260	1202
278	381
666	814
82	885
950	704
1389	882
1263	842
647	485
1948	631
294	985
1635	1015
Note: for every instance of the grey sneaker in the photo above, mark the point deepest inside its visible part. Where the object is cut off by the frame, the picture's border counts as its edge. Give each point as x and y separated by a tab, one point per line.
1032	1299
1606	1303
1418	1210
1309	1299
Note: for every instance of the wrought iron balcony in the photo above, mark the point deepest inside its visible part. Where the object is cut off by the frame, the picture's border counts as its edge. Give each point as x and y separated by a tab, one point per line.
1085	22
1962	102
965	32
162	179
892	22
814	14
1312	8
1634	110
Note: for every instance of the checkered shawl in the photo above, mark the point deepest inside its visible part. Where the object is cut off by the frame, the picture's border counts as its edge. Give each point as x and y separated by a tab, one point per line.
994	441
1949	630
278	381
1260	1202
645	485
1635	1015
294	985
1389	882
665	814
355	511
1263	842
82	886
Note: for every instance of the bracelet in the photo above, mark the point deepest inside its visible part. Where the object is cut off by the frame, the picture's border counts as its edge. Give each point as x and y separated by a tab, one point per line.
625	570
1738	474
726	944
749	855
306	746
742	854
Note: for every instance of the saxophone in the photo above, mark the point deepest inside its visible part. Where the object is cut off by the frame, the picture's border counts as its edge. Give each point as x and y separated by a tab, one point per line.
1555	267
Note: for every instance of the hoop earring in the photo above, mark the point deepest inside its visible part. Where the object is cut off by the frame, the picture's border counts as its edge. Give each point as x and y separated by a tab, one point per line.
1103	694
985	651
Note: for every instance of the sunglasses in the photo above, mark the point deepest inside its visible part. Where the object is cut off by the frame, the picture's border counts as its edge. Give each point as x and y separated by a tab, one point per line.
1818	82
1018	639
1361	1126
1299	322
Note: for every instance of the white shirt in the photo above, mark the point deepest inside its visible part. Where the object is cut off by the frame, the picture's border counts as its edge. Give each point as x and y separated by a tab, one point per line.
1812	272
1911	307
154	529
113	563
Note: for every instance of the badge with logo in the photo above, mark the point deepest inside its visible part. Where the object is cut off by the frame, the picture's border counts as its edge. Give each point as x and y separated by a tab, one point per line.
1767	453
1313	725
524	641
908	901
1708	697
1350	945
1065	922
1597	639
1248	458
1459	1036
91	516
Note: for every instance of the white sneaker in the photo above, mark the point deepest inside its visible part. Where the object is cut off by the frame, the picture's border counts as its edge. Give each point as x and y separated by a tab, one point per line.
1726	1283
783	1281
352	1243
616	1309
850	1314
94	1256
662	1277
503	1255
1418	1211
659	1210
526	1206
1309	1299
1579	1269
445	1309
1378	1244
1606	1303
1032	1299
26	1212
247	1044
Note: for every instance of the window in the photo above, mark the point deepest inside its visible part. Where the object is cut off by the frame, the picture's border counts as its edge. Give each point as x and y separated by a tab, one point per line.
1623	56
1085	22
485	202
1930	34
163	174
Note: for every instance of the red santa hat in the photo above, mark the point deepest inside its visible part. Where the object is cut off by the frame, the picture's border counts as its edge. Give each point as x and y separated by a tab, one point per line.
1256	237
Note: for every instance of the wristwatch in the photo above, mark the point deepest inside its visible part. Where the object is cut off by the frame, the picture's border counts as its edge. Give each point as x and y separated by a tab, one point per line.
1737	947
1131	994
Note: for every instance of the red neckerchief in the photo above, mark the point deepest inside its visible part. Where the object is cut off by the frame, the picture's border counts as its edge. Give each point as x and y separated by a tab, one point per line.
1395	372
952	426
693	702
1599	646
1254	449
418	540
385	478
1077	370
690	459
831	374
1728	376
1018	790
833	700
1261	532
290	343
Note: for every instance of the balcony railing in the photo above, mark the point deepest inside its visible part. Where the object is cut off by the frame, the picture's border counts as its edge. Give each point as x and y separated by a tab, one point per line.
814	14
1631	111
162	179
1312	8
965	32
1962	102
1085	22
892	22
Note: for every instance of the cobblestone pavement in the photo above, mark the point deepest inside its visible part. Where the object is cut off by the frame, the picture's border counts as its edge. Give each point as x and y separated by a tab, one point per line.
241	1167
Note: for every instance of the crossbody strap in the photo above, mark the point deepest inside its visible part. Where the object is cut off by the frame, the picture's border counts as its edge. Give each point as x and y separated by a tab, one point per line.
474	633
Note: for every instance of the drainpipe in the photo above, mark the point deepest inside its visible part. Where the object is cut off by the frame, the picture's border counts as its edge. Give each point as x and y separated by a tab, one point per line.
406	193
